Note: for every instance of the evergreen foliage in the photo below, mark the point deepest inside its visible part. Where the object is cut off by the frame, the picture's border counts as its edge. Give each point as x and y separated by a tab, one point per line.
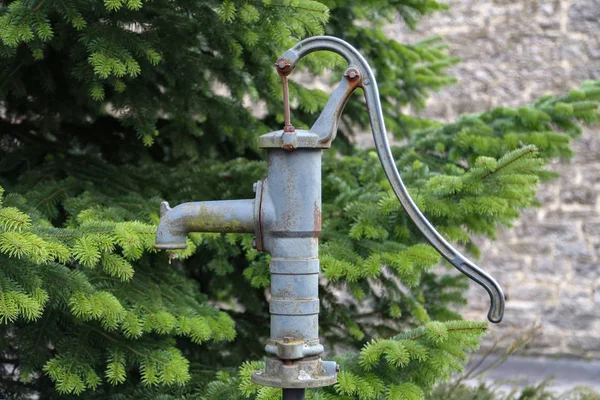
110	107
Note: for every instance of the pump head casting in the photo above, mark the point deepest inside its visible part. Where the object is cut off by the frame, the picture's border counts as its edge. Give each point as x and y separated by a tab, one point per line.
285	216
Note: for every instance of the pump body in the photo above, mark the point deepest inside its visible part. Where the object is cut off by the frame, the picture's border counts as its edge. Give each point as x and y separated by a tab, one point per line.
289	225
285	217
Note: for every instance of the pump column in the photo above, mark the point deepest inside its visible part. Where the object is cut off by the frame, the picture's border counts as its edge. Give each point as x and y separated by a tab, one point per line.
289	225
294	185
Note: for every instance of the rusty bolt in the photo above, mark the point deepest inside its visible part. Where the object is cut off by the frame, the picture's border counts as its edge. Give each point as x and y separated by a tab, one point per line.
284	66
352	74
288	147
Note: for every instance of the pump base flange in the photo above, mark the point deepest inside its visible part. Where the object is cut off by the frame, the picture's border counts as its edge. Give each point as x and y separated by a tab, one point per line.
306	373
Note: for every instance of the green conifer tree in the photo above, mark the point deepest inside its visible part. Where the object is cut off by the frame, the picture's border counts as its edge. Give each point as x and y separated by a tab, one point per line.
109	107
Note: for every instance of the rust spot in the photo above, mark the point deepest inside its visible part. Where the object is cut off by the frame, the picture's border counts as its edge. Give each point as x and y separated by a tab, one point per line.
317	219
353	77
259	234
284	66
285	293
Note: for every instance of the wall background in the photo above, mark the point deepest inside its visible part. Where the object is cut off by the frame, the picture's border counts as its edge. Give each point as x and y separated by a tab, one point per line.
513	52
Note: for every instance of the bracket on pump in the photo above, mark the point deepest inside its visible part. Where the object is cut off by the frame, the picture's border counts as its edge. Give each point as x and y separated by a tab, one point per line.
285	216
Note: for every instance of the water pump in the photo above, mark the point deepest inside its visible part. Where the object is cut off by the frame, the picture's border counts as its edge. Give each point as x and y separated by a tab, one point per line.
285	217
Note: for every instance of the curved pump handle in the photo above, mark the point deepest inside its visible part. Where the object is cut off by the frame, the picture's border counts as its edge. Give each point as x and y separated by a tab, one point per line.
326	125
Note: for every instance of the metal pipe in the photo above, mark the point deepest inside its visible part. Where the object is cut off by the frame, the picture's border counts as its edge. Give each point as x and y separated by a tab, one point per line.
293	394
202	216
291	224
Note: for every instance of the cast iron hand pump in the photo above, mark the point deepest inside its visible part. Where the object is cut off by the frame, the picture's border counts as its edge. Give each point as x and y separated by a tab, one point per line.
285	217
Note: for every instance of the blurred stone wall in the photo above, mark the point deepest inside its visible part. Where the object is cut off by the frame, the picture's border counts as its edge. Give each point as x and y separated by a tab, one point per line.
513	52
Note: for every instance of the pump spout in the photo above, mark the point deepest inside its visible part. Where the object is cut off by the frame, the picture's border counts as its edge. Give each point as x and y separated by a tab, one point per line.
225	216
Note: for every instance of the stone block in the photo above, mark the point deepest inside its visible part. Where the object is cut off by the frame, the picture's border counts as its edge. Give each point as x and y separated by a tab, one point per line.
597	291
548	231
575	251
575	310
504	278
591	228
520	314
586	272
579	195
587	147
549	270
567	171
573	50
581	214
549	25
546	195
581	344
547	343
594	70
539	49
584	16
570	317
498	263
532	292
593	48
549	9
578	295
477	300
528	247
590	174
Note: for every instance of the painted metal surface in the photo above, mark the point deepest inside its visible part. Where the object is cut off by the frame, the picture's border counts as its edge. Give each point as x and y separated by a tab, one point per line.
290	214
285	216
310	372
226	216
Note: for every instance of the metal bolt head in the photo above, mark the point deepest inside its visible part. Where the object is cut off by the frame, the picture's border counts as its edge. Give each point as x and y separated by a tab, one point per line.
352	74
287	339
284	66
254	243
254	186
337	367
